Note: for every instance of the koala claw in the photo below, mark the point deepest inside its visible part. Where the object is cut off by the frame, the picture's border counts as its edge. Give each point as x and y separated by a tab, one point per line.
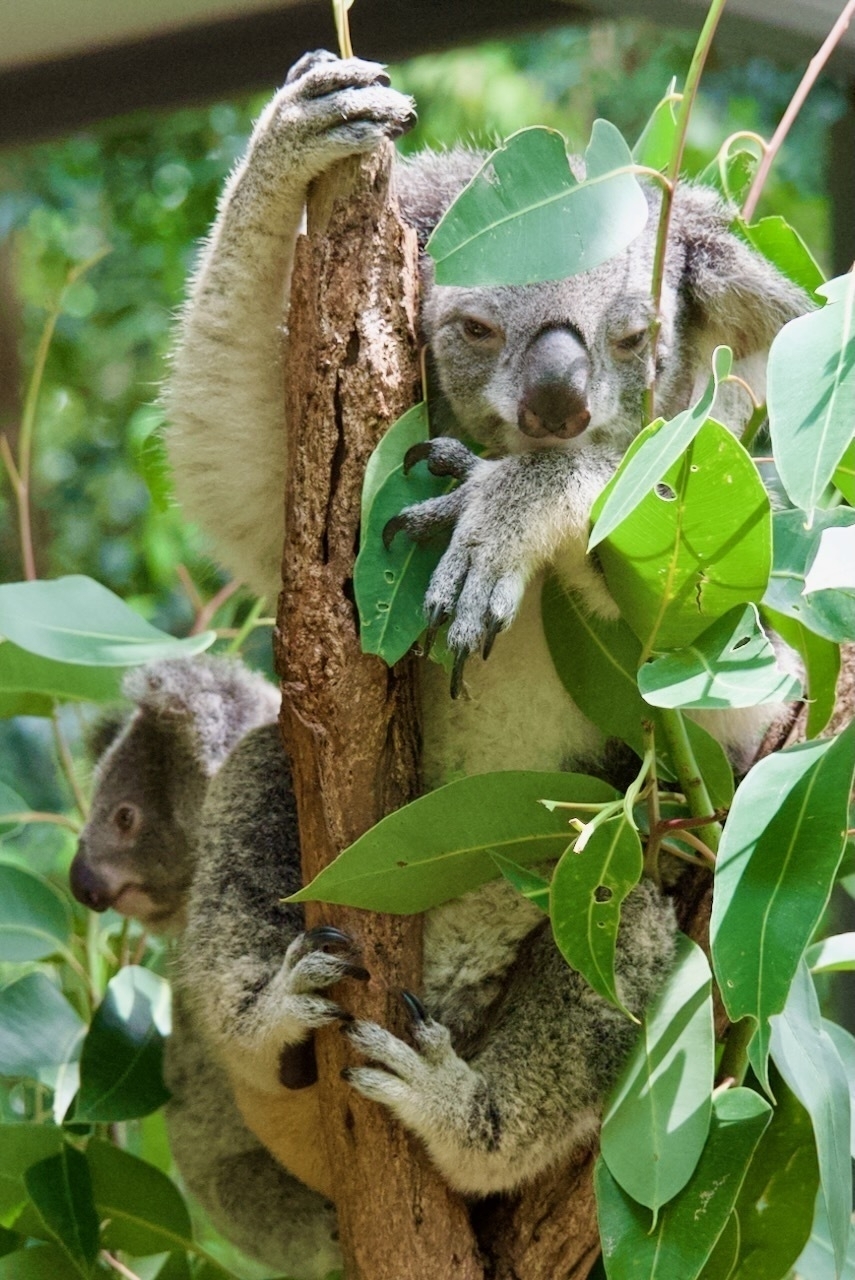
444	455
327	934
414	1006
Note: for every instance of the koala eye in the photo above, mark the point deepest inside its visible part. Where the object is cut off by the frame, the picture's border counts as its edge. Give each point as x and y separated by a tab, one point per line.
126	819
478	331
631	343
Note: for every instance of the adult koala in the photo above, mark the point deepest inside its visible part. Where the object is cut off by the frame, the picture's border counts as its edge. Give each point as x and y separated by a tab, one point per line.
550	379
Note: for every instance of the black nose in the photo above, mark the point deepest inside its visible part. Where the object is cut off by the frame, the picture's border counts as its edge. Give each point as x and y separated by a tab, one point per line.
554	400
86	884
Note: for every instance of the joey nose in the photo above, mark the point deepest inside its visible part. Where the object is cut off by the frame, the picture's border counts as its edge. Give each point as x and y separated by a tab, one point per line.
86	885
554	399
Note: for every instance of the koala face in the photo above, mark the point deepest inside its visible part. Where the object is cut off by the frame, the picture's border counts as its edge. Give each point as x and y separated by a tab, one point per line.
135	852
557	364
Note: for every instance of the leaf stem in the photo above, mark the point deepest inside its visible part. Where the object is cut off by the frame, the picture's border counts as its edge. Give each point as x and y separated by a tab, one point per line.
34	815
689	775
67	765
250	622
734	1059
806	83
651	848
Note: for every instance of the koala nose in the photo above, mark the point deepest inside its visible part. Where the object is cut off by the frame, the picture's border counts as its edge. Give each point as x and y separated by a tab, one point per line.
86	884
554	400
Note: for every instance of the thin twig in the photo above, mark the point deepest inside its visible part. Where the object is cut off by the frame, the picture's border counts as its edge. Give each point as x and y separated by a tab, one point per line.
807	82
190	588
33	815
67	763
113	1261
207	612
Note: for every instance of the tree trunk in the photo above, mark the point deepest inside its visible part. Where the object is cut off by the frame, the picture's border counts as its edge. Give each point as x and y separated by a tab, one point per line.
349	724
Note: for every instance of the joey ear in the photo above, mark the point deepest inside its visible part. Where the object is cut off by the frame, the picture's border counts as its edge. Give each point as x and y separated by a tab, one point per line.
740	299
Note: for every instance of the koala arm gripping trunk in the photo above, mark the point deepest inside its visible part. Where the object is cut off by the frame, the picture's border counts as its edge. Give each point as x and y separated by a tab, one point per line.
224	398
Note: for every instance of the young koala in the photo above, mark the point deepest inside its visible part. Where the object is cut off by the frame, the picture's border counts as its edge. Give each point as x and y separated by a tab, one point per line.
514	1051
137	854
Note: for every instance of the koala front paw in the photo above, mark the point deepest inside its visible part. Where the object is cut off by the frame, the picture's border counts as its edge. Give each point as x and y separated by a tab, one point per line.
480	580
332	107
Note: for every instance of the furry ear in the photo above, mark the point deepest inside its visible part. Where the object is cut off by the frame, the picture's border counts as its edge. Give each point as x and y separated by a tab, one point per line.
209	703
738	297
104	731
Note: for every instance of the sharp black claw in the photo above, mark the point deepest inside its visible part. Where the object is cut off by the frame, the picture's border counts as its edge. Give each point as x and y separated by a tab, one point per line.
391	527
437	616
416	453
327	934
415	1008
457	674
494	626
356	971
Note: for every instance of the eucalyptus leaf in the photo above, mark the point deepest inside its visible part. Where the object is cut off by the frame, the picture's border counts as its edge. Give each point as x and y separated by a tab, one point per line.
782	245
832	955
22	1145
711	759
828	613
121	1065
658	451
524	217
689	1226
656	141
411	428
442	845
811	393
731	664
528	883
695	547
39	1030
821	658
722	1261
47	681
61	1190
844	474
776	865
817	1260
844	1043
731	173
44	1262
661	1105
587	891
833	566
145	1211
35	921
76	620
807	1059
10	804
775	1206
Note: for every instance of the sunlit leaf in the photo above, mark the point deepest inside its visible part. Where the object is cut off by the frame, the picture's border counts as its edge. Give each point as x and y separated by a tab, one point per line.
524	217
61	1190
658	451
833	566
528	883
587	892
782	245
144	1209
662	1104
811	393
121	1065
731	174
75	619
441	845
35	921
688	1226
844	475
731	664
695	547
828	613
832	955
412	428
821	660
807	1059
776	865
656	141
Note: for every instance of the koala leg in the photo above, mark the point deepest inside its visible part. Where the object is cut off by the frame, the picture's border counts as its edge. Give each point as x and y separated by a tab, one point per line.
533	1090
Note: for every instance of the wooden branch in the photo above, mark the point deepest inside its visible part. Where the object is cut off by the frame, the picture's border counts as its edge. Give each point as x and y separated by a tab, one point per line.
349	724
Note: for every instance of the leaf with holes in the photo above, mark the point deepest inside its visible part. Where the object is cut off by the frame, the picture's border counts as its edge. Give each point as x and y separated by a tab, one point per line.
695	547
732	664
442	845
524	217
662	1104
660	448
585	900
781	847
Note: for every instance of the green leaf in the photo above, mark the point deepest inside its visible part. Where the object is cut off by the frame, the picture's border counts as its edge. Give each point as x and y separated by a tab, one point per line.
35	921
644	466
689	1226
587	891
661	1106
711	759
730	173
45	1262
731	664
412	428
39	1029
722	1260
528	883
784	248
832	955
46	681
811	393
833	567
776	865
144	1209
844	474
121	1065
844	1043
390	586
692	551
441	845
775	1206
821	660
817	1261
524	217
22	1145
76	620
10	804
656	142
828	613
810	1064
61	1190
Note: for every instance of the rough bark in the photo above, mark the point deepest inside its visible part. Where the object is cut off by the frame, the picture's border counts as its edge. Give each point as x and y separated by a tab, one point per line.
349	724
